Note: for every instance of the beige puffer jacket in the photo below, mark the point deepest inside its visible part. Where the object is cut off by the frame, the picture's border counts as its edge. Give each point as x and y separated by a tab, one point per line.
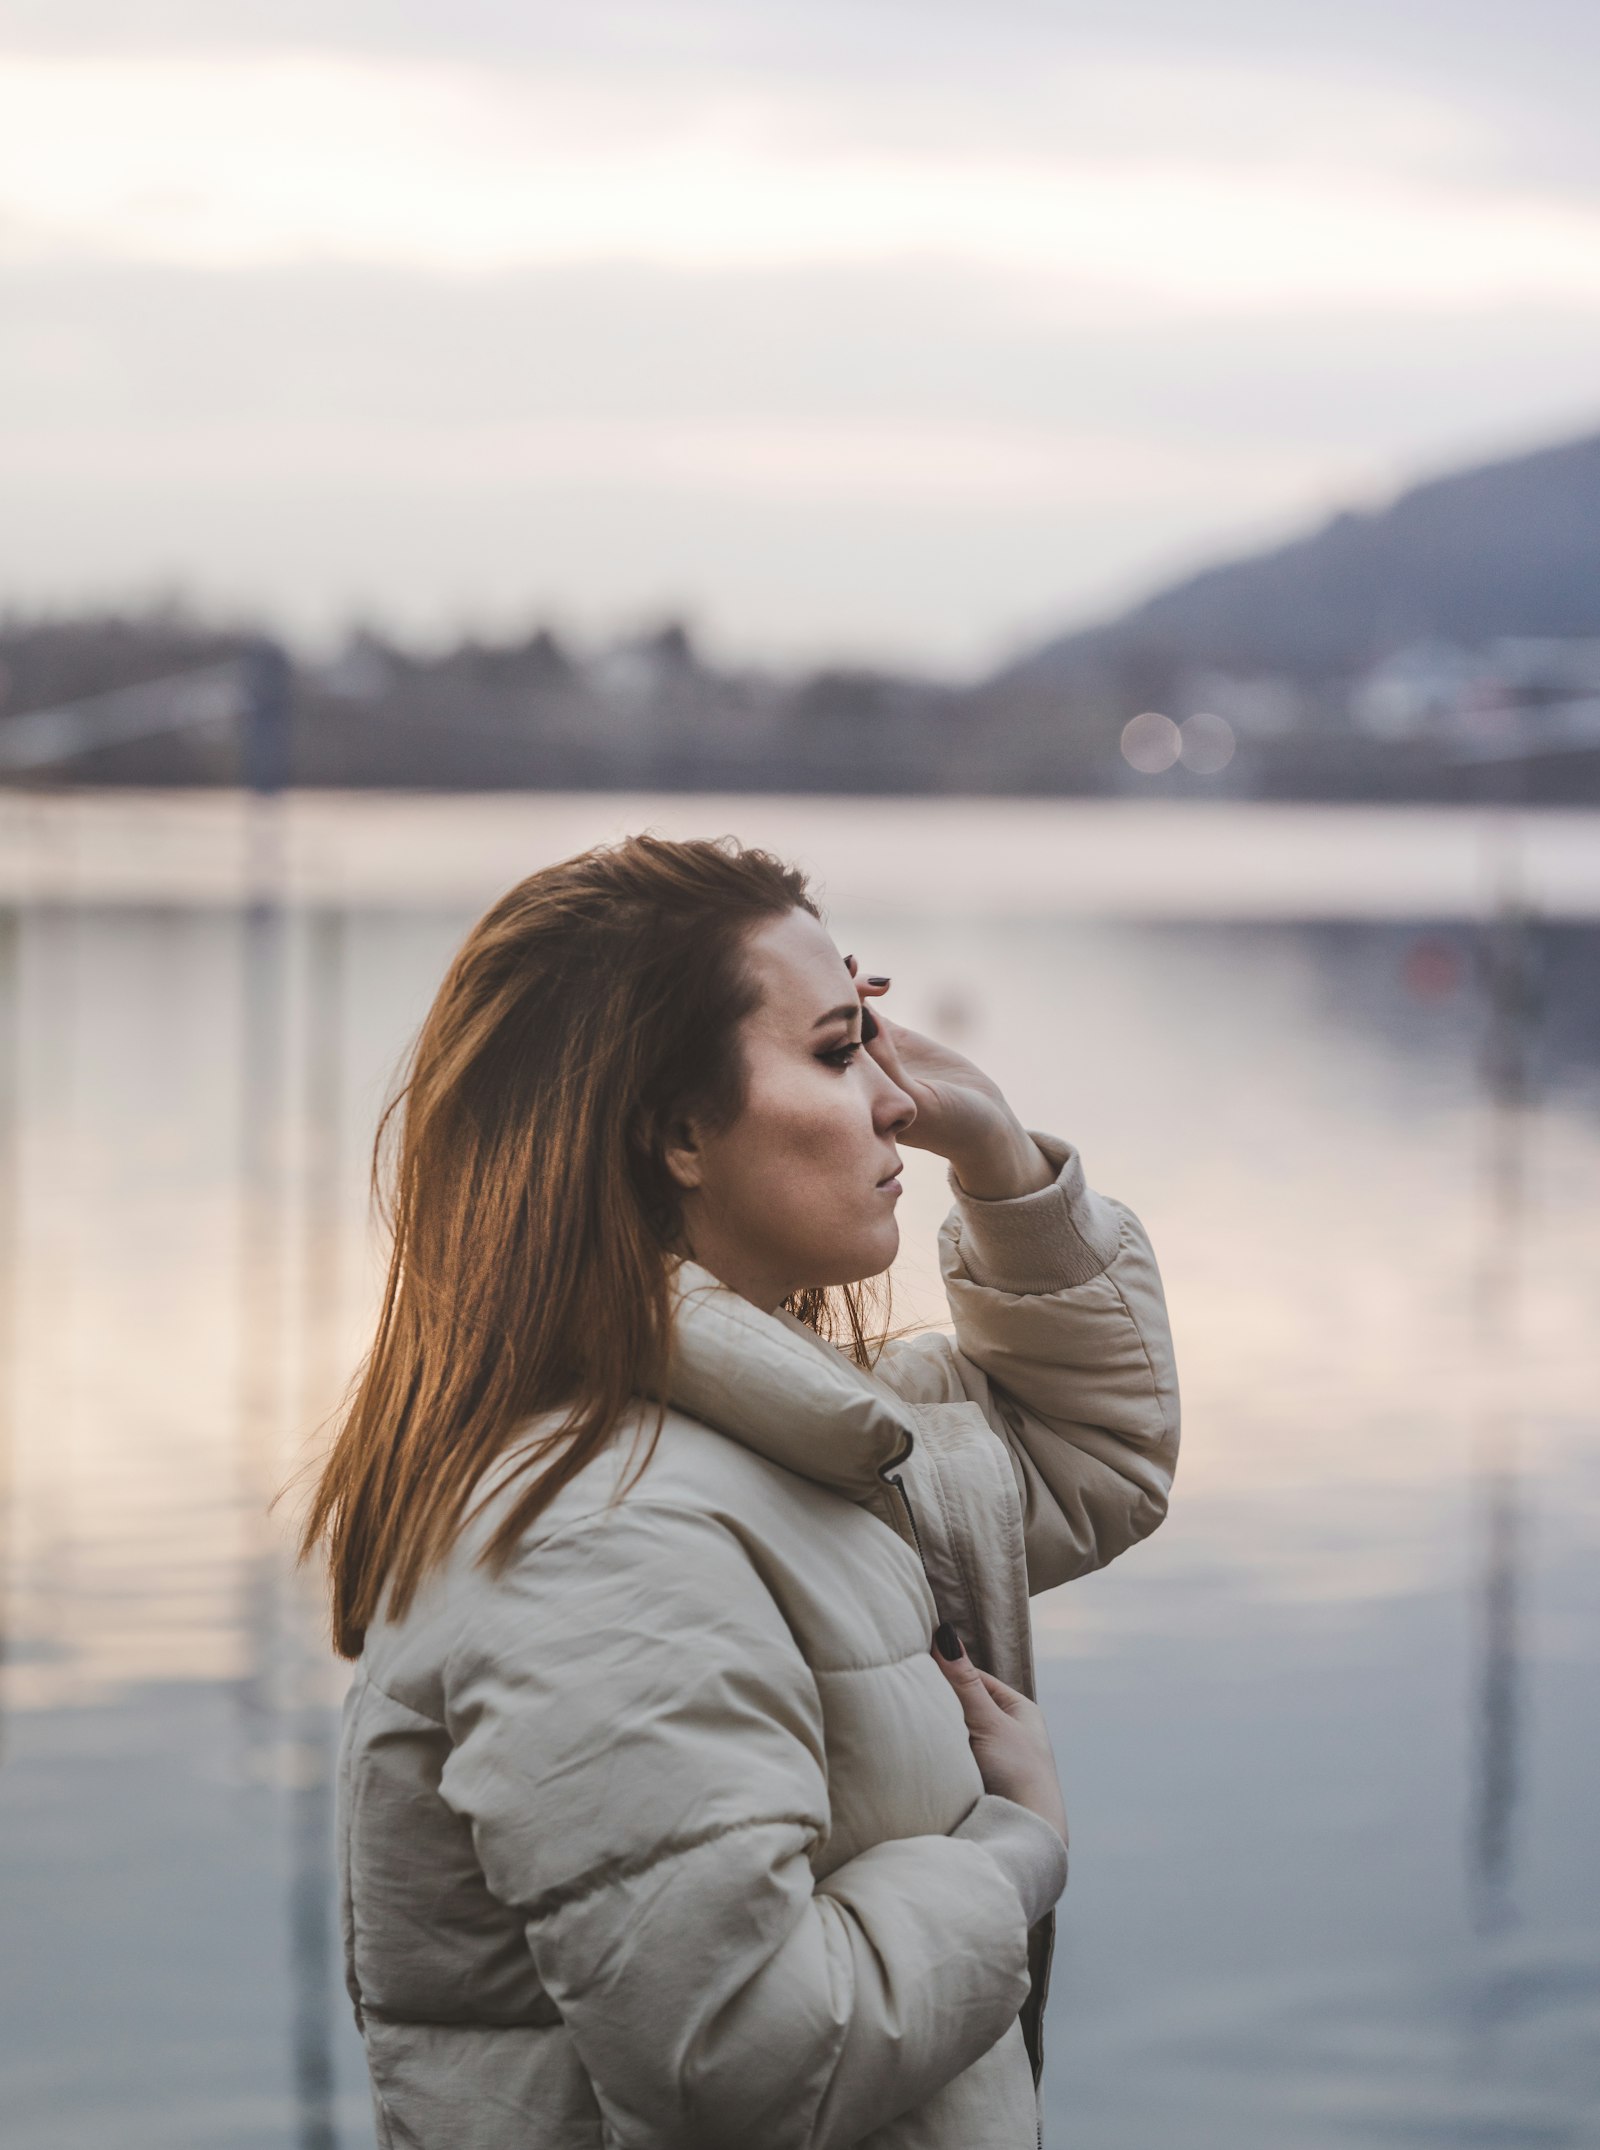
670	1837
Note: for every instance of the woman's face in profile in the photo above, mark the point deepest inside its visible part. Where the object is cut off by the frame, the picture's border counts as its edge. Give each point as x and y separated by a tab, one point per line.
801	1190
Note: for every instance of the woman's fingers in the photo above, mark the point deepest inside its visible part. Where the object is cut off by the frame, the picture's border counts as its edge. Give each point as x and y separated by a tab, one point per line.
972	1683
867	987
978	1705
1004	1697
1009	1739
877	1033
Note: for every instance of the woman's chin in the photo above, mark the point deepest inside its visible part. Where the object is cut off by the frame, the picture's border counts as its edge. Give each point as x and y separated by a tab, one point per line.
870	1258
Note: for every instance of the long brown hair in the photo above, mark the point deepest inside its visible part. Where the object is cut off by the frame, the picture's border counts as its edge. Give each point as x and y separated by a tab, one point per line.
532	1215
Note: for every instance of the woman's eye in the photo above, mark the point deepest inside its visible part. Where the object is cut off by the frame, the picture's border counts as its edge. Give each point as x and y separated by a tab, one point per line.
841	1055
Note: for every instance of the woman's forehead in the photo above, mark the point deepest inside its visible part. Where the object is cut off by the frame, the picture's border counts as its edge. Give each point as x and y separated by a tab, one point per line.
801	973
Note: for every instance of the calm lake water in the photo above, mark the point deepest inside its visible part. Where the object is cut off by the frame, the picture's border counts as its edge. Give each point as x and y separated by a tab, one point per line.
1331	1740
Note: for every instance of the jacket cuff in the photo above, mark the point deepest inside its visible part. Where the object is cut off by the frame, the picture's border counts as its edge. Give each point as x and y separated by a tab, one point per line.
1027	1851
1060	1236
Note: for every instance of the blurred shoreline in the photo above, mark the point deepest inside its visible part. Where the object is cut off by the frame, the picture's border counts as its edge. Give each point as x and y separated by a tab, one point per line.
1006	858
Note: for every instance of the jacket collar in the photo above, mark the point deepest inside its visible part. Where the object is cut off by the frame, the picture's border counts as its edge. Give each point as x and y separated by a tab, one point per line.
768	1381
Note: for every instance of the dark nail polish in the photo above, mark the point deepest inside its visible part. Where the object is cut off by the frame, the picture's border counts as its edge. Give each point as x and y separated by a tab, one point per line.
947	1642
877	981
869	1026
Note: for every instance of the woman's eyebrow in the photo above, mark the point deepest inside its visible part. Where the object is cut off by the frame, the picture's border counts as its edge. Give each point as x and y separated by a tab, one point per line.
838	1015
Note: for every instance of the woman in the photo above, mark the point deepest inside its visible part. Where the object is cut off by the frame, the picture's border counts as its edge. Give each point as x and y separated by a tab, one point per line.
667	1820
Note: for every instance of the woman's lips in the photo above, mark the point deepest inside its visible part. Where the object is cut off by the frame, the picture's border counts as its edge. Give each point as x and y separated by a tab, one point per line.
890	1183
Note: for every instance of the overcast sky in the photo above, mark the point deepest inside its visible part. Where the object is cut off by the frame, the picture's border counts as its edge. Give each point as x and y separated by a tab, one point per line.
896	330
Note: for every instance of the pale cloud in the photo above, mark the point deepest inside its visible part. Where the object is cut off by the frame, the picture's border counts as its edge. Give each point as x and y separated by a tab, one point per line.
841	463
239	163
897	332
933	578
902	465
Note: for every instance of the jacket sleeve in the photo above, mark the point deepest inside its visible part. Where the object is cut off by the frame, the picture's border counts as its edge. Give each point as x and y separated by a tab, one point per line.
1062	1338
637	1744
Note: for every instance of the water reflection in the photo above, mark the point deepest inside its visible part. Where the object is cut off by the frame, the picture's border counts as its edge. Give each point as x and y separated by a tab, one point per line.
1508	972
8	1271
263	1253
318	1986
286	1725
1380	1238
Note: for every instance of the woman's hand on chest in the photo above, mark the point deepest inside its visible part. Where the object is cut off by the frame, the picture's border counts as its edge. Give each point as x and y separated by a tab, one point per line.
1009	1737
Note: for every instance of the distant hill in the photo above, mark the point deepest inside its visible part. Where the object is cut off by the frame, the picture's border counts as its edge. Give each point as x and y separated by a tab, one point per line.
1508	549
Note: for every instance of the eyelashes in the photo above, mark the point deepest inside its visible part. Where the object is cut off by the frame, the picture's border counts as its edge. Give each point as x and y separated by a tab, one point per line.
842	1055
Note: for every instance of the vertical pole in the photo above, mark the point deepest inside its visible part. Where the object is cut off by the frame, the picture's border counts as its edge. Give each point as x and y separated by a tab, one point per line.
1510	989
265	681
10	1158
268	683
52	1595
311	1818
262	1260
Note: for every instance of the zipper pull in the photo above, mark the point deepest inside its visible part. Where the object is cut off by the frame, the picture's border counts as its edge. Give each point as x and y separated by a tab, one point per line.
894	1479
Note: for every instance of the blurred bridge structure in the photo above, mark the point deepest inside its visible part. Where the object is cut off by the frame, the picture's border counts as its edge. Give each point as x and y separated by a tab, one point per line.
249	693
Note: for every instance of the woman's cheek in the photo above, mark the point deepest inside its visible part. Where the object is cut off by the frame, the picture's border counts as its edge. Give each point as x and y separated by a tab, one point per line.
821	1120
814	1151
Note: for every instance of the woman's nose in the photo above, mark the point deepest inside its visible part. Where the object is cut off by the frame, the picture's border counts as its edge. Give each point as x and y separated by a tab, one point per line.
892	1108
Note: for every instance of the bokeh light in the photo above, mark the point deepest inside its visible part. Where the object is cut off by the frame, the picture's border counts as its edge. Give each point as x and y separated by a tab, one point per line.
1151	743
1206	743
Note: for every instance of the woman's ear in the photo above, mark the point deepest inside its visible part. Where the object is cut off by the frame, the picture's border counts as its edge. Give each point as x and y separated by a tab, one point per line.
682	1154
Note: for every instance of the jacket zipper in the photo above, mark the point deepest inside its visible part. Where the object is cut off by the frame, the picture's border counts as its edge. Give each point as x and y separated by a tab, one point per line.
890	1475
894	1479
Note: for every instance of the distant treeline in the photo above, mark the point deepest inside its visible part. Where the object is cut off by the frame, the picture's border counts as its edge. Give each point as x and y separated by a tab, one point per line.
1446	647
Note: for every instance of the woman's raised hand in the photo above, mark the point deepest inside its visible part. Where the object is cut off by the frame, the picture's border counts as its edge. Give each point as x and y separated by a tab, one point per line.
1010	1741
962	1114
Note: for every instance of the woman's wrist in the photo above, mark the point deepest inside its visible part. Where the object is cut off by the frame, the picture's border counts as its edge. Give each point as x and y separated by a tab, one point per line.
1001	1165
1051	1240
